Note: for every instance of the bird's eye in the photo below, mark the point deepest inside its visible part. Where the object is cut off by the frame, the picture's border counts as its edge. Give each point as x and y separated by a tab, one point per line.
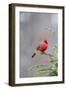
45	41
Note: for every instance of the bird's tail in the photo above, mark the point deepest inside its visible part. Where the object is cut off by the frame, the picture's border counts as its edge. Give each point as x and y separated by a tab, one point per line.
33	55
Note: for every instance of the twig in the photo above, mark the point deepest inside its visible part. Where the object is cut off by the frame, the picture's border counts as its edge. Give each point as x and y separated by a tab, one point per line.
48	54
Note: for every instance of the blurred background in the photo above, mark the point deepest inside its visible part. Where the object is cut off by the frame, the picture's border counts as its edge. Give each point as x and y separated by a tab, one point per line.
34	27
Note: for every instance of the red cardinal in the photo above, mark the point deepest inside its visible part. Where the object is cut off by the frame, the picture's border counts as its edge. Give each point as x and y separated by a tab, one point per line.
43	45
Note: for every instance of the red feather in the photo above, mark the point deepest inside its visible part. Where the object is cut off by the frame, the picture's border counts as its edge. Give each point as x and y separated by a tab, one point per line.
43	45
